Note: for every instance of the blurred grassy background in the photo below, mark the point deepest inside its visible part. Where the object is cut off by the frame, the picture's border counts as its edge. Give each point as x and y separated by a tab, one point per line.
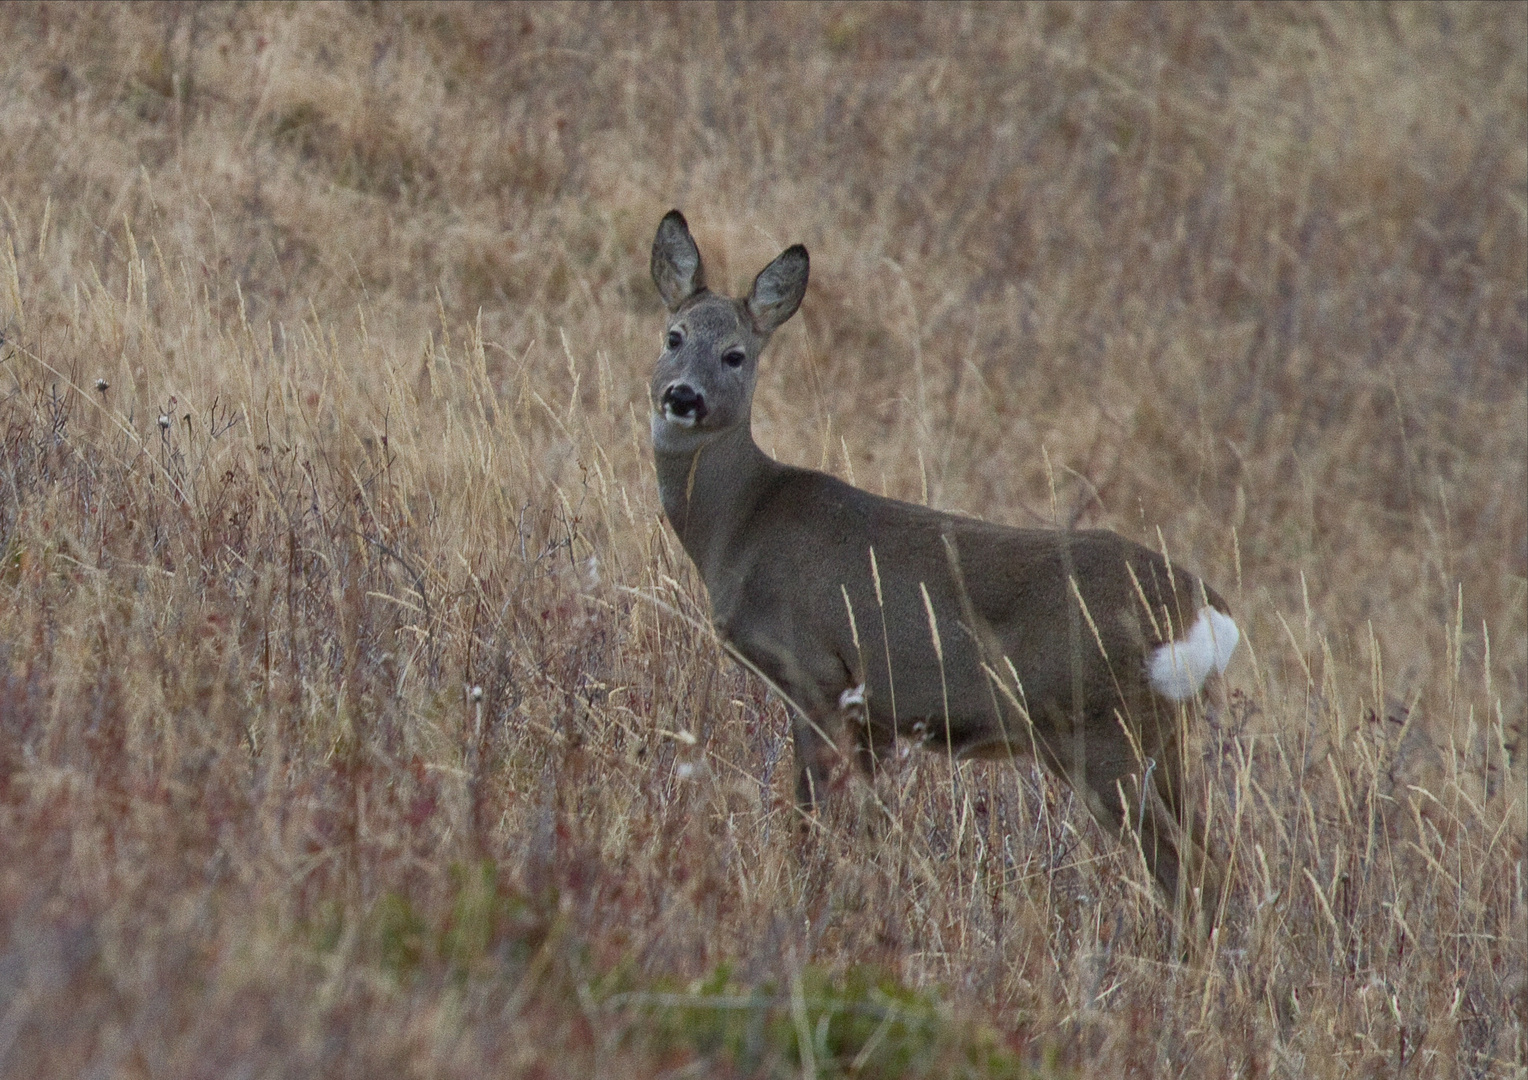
357	715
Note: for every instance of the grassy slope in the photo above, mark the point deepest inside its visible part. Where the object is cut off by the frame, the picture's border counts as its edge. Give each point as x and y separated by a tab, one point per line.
367	291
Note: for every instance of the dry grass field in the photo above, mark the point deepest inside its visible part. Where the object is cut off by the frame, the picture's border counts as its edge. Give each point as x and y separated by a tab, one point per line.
359	714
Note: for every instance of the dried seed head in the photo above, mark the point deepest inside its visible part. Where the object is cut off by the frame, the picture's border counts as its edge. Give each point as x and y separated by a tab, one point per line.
102	385
164	421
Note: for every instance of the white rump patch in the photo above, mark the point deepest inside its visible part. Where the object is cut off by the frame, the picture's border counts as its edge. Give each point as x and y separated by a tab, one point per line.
1179	668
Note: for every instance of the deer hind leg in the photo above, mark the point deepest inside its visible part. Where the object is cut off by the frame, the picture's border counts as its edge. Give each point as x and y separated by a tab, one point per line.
1114	798
1107	771
1179	809
1168	822
1183	865
1201	873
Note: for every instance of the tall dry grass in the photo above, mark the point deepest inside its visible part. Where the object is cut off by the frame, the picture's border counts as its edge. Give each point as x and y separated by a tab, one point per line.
357	710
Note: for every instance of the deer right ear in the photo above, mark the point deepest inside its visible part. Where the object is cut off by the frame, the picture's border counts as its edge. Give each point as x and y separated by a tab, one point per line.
677	270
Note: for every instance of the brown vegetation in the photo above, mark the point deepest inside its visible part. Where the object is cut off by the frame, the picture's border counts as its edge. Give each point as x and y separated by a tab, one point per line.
357	710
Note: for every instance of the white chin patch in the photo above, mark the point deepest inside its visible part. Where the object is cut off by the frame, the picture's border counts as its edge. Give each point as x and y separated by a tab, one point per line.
1179	668
675	434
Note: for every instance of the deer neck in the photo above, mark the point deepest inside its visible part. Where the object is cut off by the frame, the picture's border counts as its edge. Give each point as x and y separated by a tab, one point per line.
708	490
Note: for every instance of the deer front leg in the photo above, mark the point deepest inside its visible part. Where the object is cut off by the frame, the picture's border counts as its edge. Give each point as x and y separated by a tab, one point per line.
819	746
871	744
816	753
810	691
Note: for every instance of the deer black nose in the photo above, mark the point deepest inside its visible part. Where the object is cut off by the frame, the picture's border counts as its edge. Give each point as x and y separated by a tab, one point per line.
682	399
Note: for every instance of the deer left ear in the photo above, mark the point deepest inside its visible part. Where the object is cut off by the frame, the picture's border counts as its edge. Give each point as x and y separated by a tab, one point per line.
677	269
777	291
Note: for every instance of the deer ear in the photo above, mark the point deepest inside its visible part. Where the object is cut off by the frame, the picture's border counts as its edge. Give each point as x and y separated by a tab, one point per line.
777	291
677	270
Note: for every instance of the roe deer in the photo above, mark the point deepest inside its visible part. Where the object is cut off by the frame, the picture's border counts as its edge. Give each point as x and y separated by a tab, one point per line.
890	619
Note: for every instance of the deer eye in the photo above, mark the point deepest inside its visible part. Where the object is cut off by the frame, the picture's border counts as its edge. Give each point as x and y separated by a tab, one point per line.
675	339
734	357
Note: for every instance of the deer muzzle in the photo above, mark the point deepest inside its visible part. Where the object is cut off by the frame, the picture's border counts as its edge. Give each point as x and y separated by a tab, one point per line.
683	404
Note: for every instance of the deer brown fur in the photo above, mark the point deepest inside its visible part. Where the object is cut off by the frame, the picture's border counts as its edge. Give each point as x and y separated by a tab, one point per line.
880	619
